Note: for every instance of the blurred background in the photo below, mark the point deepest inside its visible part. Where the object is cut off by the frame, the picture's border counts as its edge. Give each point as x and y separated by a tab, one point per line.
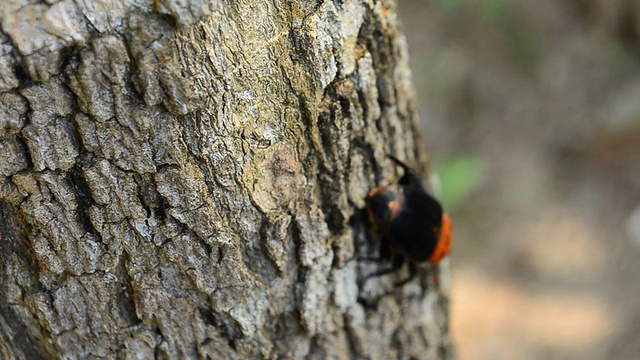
531	117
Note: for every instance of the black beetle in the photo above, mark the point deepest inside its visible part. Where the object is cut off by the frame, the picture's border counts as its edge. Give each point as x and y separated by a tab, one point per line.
413	224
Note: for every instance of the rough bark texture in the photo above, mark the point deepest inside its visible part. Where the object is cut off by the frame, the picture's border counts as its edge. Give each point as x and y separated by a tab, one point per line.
186	180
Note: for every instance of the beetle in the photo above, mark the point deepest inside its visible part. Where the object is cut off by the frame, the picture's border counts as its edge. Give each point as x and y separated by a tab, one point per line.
414	226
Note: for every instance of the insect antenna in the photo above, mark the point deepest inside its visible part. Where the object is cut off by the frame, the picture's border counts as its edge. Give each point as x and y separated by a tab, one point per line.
404	166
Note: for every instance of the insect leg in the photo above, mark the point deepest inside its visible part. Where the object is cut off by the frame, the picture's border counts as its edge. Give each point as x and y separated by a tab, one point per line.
398	260
413	271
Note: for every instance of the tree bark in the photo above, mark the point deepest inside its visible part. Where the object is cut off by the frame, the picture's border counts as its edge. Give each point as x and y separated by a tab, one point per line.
186	180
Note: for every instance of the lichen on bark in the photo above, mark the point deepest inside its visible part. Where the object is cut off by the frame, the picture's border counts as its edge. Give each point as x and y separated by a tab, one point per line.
186	180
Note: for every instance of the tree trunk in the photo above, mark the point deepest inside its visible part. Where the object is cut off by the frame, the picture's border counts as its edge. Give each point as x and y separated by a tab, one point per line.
186	180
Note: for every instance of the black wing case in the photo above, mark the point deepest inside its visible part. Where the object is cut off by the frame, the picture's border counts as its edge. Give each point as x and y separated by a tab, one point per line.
413	228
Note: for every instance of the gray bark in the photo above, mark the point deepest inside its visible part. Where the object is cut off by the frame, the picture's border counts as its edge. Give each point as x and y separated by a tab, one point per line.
186	180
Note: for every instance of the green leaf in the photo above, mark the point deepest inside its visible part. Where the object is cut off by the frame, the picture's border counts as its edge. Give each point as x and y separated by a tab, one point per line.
457	178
